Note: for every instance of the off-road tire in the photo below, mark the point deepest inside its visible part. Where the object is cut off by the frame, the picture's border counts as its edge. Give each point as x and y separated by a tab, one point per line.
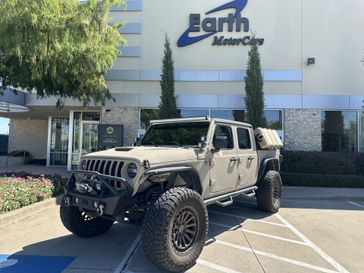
77	222
162	231
269	192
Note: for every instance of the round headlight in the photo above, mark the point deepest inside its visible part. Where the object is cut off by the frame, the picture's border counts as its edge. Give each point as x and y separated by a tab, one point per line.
132	170
83	164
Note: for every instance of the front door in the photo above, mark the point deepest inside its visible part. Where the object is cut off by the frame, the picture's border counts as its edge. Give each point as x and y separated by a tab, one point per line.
224	175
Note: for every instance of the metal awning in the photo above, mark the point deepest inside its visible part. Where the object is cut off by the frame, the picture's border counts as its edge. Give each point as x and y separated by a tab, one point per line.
11	102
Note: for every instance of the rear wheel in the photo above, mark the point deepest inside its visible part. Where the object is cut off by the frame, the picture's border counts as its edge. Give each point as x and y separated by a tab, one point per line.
175	229
269	192
83	223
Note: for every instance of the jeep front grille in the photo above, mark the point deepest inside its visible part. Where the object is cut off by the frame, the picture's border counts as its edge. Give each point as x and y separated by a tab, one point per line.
107	167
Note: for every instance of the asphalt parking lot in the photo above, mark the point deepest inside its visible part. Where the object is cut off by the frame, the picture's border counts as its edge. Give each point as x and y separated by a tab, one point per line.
316	230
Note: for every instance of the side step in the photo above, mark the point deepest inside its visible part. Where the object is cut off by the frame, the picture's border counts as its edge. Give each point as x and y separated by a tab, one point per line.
219	200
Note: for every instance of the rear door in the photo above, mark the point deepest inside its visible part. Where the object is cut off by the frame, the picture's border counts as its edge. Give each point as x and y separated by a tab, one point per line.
248	158
224	174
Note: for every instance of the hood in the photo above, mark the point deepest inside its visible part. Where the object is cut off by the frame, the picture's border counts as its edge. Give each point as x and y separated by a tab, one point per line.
155	155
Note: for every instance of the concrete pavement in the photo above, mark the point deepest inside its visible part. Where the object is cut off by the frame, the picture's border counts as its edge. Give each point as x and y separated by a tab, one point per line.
323	233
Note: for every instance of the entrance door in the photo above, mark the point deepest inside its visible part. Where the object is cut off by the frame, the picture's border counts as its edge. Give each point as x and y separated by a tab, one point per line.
224	174
89	138
85	135
59	141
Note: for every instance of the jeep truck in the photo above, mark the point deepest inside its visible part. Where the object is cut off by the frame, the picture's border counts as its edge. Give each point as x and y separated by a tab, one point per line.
167	180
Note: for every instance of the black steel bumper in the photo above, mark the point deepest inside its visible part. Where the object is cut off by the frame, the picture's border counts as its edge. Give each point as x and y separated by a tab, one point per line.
93	191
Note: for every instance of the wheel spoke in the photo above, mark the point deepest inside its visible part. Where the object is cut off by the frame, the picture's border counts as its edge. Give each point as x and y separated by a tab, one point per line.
184	229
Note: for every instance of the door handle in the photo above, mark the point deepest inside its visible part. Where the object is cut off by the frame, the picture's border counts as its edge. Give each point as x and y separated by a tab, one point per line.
235	159
250	158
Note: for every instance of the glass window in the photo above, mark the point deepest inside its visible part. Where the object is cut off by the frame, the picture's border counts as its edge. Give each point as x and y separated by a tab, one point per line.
339	131
146	115
244	138
361	132
274	119
225	132
237	115
191	113
59	141
91	116
176	134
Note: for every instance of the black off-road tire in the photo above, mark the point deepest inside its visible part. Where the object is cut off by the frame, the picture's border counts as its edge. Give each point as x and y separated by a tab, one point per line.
178	213
269	192
80	224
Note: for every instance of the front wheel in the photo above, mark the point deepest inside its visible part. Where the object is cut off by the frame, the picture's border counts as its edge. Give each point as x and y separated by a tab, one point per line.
269	192
175	229
83	223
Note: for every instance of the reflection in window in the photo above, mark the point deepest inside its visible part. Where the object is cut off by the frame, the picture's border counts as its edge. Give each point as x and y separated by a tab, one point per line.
274	119
188	113
339	131
237	115
59	141
146	115
361	132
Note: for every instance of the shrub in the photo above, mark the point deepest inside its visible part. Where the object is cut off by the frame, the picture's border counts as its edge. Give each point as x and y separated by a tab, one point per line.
323	163
19	190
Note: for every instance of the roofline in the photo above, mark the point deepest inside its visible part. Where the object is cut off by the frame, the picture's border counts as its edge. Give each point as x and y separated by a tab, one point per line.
199	119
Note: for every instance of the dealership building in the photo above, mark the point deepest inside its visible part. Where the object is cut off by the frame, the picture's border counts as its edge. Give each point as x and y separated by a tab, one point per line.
311	54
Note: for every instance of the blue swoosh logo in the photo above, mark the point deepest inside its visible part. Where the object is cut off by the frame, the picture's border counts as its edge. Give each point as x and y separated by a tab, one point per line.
186	40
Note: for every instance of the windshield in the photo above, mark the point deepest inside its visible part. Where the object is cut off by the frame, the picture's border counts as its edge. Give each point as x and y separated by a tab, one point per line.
178	134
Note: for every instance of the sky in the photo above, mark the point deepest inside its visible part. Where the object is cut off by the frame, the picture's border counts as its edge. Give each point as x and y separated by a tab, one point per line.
4	126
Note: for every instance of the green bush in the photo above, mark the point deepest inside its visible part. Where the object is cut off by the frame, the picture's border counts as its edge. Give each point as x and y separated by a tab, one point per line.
323	163
19	190
322	180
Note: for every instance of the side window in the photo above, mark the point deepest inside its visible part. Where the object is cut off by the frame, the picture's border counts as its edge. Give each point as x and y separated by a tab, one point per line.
224	135
244	139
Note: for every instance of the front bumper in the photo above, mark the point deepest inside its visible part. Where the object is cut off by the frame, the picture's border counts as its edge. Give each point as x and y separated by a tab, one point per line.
81	192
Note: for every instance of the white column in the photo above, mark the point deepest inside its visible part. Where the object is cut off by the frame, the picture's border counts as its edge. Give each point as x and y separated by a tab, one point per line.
49	141
70	141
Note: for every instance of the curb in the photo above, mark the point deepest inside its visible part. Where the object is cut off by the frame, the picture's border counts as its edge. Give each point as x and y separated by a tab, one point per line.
19	214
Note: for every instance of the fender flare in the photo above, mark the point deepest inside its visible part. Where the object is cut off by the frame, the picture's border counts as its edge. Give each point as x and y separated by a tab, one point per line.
184	171
269	164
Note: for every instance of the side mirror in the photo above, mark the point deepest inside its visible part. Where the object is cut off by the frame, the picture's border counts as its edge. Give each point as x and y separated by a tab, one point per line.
220	142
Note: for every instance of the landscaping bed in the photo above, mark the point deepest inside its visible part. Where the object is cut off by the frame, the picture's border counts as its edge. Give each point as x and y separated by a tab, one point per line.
22	189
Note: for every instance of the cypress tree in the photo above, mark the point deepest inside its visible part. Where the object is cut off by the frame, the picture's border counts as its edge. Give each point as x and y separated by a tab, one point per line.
168	105
254	99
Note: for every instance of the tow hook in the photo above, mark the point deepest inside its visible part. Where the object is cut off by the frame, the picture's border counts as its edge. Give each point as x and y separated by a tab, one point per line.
67	201
100	210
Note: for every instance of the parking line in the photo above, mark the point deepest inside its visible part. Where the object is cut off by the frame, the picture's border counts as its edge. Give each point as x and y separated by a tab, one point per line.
275	257
259	233
129	255
247	218
355	204
329	259
216	266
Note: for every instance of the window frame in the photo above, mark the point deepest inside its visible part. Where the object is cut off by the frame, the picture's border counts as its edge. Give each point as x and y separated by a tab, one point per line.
232	136
250	138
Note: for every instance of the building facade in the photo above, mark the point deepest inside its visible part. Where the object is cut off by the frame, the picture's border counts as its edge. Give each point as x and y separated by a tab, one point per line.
311	53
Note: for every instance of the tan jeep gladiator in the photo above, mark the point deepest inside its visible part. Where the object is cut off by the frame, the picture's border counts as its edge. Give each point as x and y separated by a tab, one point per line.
165	182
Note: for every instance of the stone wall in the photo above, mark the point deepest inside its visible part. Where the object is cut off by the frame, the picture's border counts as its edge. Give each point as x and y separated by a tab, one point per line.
127	116
29	135
302	129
